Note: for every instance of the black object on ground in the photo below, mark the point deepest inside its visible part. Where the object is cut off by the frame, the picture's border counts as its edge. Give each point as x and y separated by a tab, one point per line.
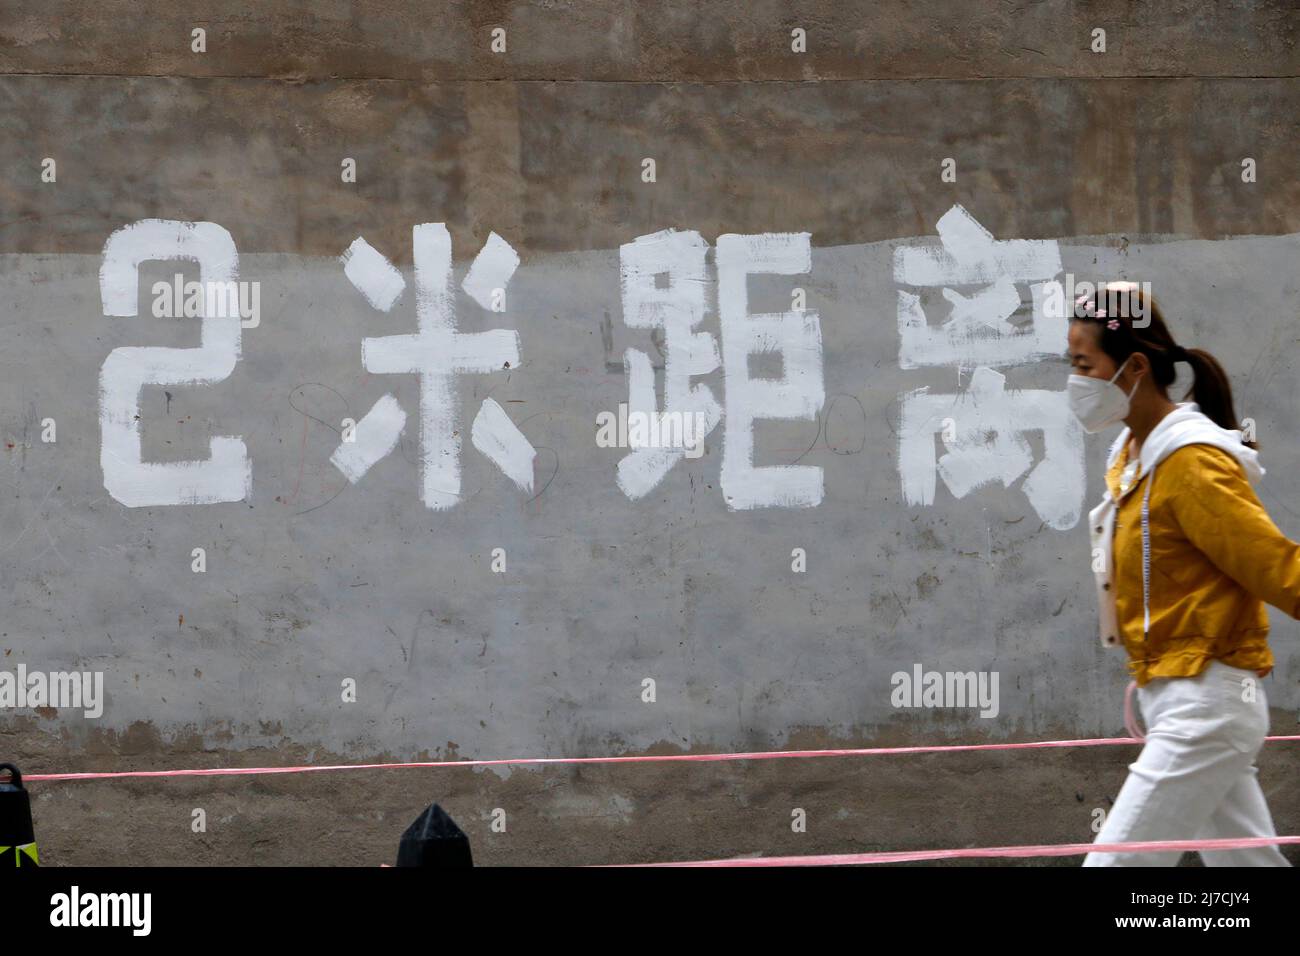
434	840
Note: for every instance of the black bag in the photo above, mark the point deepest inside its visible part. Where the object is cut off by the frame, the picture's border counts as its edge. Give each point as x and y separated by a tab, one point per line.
434	840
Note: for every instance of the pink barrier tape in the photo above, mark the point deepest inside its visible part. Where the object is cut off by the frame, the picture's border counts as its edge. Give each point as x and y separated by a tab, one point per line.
648	758
1061	849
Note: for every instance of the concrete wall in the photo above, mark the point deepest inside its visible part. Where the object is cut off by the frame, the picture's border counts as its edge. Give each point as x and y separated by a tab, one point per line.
1130	160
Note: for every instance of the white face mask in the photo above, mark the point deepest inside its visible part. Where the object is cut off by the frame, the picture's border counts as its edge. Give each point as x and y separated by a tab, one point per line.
1097	403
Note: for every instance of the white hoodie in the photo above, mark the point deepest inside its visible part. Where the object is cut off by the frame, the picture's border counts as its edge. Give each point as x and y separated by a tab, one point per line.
1185	425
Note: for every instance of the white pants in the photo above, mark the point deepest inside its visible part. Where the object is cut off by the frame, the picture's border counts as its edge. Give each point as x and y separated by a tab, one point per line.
1195	778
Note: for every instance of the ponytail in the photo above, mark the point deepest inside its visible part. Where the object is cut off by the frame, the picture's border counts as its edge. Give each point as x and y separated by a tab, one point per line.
1211	390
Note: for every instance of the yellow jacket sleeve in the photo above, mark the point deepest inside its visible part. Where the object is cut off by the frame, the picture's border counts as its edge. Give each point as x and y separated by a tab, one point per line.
1221	515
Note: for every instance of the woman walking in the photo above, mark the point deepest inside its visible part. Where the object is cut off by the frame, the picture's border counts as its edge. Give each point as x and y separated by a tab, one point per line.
1184	556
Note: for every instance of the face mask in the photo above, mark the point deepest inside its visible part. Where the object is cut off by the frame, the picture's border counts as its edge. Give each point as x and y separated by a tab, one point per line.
1096	403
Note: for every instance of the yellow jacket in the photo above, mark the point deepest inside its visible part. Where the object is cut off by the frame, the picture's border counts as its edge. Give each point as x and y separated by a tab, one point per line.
1213	555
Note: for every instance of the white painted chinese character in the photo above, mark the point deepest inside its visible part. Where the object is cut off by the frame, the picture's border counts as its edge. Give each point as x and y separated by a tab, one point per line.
664	285
437	353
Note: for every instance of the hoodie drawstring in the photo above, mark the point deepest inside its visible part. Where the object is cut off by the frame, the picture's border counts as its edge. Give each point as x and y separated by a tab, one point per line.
1146	555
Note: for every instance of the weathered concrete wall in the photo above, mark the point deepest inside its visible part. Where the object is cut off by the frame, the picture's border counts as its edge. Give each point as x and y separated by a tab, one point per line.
1132	159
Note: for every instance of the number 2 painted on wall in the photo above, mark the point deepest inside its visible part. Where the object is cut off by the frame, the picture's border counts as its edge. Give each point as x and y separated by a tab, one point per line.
227	475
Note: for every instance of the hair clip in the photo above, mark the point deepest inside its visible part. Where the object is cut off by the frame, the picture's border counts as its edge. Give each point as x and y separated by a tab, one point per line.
1113	324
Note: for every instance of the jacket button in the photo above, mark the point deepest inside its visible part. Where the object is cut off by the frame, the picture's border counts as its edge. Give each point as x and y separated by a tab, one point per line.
1106	586
1099	529
1111	639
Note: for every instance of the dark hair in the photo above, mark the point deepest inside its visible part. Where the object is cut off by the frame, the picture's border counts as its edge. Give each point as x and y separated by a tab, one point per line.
1210	387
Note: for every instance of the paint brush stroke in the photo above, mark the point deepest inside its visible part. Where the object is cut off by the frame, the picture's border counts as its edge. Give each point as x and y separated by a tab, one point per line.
374	437
496	436
373	276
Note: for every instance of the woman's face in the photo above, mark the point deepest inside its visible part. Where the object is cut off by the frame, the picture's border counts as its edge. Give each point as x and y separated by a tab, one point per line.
1086	356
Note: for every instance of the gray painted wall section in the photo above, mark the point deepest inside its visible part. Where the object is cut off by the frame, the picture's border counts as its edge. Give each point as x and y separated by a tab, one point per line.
311	581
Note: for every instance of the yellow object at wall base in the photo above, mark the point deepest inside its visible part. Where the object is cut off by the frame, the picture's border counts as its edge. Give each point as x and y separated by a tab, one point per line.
24	855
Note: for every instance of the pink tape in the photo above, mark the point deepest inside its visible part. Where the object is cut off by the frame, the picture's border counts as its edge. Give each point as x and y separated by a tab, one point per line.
1060	849
649	758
